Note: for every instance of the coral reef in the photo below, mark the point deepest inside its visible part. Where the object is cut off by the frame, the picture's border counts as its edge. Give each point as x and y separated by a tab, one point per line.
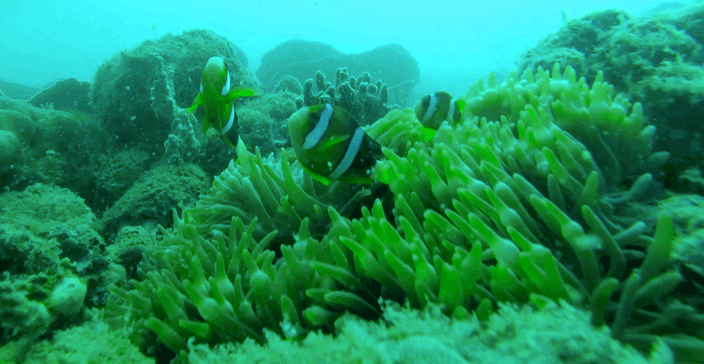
300	59
128	246
92	343
530	229
519	202
44	224
552	334
36	305
25	315
49	230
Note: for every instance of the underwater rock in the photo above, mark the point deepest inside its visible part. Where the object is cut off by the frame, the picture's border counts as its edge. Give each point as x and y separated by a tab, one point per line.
68	94
153	197
45	224
17	91
290	84
299	58
289	57
67	297
10	151
59	147
149	84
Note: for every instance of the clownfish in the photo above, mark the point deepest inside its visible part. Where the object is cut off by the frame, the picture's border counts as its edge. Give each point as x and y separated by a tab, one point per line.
218	97
330	145
435	108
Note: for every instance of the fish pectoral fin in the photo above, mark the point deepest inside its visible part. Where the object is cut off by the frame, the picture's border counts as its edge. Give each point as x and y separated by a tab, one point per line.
228	142
196	102
428	133
360	180
334	140
240	92
322	179
460	105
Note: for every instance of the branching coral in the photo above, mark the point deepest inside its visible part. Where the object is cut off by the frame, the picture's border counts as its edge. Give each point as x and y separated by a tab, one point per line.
364	99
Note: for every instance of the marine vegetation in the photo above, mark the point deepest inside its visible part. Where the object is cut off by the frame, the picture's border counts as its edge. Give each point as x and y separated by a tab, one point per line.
518	202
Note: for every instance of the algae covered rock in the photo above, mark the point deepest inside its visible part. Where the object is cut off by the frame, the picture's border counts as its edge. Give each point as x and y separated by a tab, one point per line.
139	93
287	57
556	334
67	297
44	224
59	147
152	198
263	121
91	343
17	91
68	94
117	173
10	153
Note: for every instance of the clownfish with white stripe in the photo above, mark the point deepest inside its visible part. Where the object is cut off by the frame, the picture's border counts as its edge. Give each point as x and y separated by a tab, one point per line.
218	99
330	145
435	108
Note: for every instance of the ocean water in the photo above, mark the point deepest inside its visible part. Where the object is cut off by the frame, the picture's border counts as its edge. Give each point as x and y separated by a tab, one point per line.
323	181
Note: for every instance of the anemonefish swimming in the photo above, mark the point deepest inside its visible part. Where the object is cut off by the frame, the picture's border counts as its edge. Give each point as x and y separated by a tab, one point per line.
218	98
435	108
330	144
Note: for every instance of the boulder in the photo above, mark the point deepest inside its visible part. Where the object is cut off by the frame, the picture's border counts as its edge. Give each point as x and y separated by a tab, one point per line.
390	63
